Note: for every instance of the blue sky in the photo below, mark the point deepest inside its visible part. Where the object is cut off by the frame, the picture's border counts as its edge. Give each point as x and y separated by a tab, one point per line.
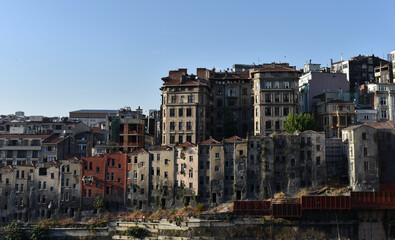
60	56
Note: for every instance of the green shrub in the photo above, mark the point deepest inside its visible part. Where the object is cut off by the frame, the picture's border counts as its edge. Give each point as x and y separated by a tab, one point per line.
136	232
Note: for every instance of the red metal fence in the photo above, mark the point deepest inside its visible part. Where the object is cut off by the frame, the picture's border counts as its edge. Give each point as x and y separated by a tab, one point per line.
372	200
287	210
325	202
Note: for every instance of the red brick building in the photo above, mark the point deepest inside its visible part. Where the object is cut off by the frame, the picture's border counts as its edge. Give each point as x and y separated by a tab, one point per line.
106	176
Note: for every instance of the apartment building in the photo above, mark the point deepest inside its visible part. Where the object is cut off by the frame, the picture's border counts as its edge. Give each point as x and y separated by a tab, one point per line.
141	179
163	177
287	162
362	154
382	97
232	107
126	129
91	117
275	93
43	127
105	176
19	149
186	106
186	169
333	116
314	83
359	69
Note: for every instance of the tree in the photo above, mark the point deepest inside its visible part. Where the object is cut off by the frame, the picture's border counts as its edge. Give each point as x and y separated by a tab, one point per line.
15	231
99	204
39	233
300	122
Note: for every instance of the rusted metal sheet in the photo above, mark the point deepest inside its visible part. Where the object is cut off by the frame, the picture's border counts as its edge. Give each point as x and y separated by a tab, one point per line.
287	210
372	200
325	202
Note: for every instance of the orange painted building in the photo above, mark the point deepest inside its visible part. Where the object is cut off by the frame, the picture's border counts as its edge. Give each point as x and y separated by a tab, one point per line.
104	175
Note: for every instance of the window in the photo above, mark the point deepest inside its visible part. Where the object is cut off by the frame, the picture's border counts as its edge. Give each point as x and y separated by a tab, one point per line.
189	112
268	98
172	112
268	125
383	101
172	125
190	99
173	99
277	97
277	125
363	136
191	158
119	180
276	111
383	114
90	165
180	112
216	168
286	111
190	173
286	84
268	84
285	98
166	174
318	147
366	166
219	92
142	177
166	161
135	174
268	111
216	155
135	159
189	126
365	151
45	185
318	161
276	84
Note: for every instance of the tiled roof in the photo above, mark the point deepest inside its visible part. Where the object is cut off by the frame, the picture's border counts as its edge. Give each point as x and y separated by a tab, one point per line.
210	141
234	139
186	144
141	150
162	148
244	75
54	139
184	82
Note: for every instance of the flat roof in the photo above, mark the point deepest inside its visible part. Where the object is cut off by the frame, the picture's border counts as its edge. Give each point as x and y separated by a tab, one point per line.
94	111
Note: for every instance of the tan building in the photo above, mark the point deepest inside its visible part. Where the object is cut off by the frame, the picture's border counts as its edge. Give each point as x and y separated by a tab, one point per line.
163	177
275	93
69	187
382	97
186	169
185	108
334	116
140	181
47	190
362	153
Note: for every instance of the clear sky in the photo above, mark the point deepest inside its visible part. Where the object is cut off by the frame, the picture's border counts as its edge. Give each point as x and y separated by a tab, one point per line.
59	56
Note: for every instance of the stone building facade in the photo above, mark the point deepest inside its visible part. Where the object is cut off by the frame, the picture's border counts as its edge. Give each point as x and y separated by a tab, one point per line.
186	105
360	142
275	93
333	116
